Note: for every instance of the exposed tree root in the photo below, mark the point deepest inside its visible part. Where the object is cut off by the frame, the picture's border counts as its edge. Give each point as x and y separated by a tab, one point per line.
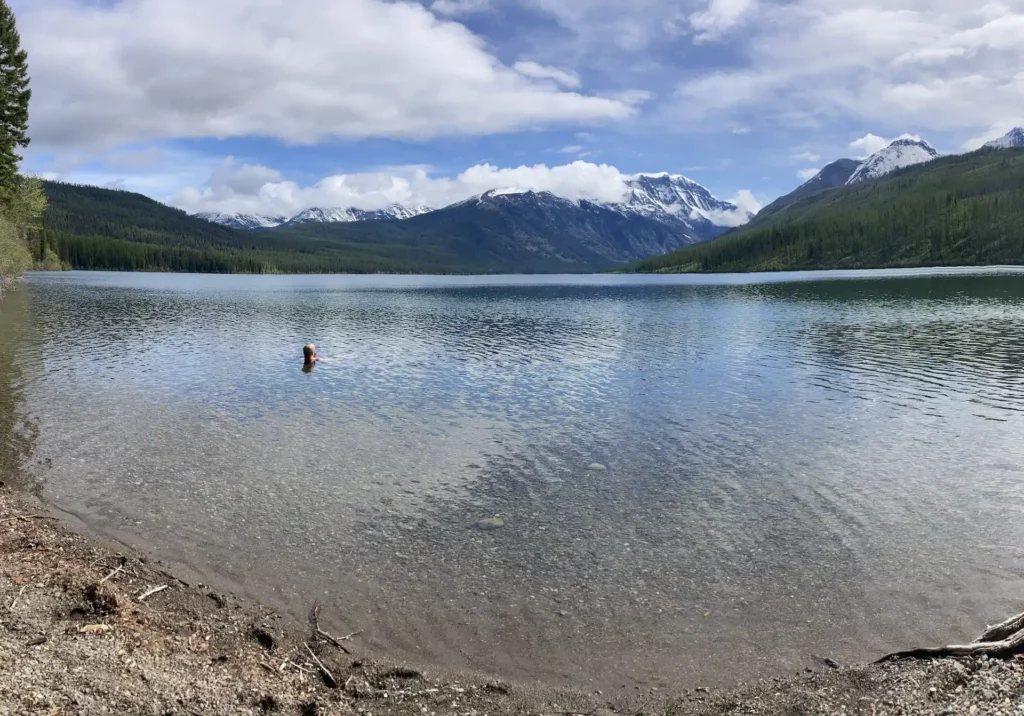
1004	639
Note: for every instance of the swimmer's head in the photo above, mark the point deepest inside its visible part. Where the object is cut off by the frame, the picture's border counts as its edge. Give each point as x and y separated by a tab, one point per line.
309	352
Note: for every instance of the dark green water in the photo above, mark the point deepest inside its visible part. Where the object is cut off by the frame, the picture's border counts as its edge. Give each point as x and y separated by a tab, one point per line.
792	467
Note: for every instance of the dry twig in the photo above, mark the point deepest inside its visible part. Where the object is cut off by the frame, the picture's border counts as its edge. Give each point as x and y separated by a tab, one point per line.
331	681
15	602
152	591
112	574
327	637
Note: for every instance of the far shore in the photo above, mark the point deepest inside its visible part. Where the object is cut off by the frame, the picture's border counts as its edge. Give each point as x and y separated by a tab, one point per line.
90	627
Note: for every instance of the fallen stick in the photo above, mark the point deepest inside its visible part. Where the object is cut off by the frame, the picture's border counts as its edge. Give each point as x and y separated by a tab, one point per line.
112	574
300	667
324	635
331	681
1003	630
1010	642
152	591
27	518
15	602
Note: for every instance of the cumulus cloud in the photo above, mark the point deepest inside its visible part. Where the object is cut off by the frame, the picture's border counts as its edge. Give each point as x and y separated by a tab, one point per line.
253	189
719	17
537	71
942	65
746	205
235	187
296	70
807	174
869	144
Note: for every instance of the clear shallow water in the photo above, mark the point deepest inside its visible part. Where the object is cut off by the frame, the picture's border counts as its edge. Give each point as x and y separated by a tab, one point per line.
794	468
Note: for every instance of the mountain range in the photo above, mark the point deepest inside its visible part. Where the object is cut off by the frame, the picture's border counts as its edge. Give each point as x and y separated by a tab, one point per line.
956	210
520	230
898	154
670	199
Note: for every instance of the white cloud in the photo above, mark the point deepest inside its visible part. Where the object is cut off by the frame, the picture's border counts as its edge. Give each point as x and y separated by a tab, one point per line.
571	149
537	71
869	144
936	65
807	174
746	205
719	17
456	8
235	187
805	157
297	70
741	130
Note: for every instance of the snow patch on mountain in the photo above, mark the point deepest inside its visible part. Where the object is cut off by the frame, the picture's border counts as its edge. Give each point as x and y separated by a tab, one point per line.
394	212
677	200
903	152
1013	138
242	221
334	215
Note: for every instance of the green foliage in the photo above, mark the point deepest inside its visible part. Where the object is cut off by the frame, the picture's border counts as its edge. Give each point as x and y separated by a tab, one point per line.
93	228
14	98
964	210
14	254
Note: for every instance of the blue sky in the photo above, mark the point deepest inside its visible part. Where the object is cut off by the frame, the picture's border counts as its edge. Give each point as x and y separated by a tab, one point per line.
271	106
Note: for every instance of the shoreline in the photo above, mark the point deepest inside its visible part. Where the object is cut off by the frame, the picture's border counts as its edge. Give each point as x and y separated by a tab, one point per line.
96	627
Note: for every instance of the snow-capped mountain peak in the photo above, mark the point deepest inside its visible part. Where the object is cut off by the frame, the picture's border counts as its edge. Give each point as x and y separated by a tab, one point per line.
242	221
904	152
315	214
1013	138
392	212
678	200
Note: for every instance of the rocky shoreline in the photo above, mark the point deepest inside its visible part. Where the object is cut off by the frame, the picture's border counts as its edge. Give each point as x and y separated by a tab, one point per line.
93	628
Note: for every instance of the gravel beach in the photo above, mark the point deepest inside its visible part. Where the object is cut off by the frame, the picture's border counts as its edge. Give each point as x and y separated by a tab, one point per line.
90	627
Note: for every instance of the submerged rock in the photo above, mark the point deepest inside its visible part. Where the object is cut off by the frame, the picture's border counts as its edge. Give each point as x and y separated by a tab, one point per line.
597	467
490	524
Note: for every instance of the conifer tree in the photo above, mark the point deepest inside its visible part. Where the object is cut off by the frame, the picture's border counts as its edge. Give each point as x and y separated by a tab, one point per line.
14	98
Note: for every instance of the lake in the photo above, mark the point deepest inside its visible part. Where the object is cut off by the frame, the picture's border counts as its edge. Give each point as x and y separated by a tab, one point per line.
605	481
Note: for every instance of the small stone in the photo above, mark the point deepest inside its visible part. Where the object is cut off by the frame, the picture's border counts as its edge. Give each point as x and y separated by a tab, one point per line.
597	467
490	524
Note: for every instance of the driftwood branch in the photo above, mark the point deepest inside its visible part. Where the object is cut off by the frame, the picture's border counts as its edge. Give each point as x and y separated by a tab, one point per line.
1003	630
320	633
1004	639
331	681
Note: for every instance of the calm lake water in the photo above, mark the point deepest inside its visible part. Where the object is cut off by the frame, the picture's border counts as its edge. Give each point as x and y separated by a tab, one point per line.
667	481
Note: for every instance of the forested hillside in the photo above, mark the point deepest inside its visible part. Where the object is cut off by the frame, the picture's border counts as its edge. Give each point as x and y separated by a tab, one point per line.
962	210
93	228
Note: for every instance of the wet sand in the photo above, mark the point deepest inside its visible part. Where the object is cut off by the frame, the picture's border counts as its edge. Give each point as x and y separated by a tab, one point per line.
92	627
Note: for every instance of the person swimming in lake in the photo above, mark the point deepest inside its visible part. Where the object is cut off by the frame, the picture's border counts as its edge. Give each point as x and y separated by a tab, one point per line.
310	358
